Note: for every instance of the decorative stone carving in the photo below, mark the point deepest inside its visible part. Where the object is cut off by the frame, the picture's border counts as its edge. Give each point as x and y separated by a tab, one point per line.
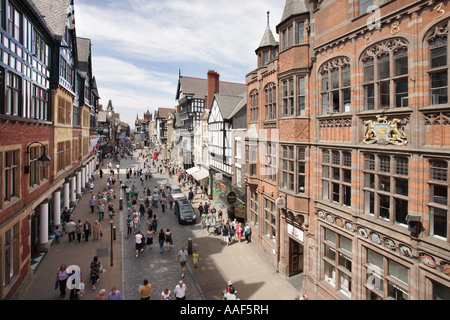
379	48
384	132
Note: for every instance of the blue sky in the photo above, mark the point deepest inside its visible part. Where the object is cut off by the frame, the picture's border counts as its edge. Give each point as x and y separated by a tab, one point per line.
139	46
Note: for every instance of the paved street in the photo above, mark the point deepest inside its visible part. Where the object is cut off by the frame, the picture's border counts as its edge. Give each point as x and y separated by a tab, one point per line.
253	277
161	269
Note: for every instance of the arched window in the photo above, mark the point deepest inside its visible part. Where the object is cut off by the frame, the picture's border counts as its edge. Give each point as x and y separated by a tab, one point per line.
335	88
438	55
271	101
254	101
385	67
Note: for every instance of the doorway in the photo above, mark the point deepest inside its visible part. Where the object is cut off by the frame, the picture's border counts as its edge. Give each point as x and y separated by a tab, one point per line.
295	257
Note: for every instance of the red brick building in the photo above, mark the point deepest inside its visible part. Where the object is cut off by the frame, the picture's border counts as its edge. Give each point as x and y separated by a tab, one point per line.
359	134
39	114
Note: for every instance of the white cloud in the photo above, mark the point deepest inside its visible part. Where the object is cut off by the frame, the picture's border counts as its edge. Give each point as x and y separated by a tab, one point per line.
139	45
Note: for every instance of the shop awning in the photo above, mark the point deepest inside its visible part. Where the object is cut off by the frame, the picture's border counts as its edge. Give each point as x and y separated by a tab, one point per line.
192	170
200	174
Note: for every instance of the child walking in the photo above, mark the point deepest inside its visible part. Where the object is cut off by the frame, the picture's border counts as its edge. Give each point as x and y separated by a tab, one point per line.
195	258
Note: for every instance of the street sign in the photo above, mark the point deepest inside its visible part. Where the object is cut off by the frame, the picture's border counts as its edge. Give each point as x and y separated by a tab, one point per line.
111	221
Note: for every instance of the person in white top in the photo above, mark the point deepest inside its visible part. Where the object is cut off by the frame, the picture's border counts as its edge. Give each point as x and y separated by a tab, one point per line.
139	243
180	291
166	294
231	295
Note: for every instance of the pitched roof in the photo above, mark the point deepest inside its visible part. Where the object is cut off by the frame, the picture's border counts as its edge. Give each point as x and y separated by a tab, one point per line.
228	103
198	87
293	8
83	49
54	13
268	38
164	112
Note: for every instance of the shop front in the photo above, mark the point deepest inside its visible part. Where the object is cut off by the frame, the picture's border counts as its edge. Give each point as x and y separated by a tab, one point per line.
224	193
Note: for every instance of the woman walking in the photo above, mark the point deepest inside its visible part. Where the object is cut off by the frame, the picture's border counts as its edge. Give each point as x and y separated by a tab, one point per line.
161	239
150	238
95	271
96	229
61	277
168	239
155	223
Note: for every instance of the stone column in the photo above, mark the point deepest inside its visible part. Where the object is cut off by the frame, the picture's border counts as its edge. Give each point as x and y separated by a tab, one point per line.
73	196
57	207
66	203
79	184
83	179
43	227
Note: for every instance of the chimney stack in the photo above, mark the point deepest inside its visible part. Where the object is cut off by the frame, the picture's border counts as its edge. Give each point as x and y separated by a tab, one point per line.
212	87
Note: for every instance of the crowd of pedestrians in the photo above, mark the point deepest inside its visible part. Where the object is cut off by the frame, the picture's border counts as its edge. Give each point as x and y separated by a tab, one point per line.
141	207
141	201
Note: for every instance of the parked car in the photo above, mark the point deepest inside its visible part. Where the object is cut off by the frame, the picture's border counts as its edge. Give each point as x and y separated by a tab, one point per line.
185	212
176	193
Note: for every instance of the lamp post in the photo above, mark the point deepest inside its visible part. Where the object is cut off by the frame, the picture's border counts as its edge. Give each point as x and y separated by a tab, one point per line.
43	160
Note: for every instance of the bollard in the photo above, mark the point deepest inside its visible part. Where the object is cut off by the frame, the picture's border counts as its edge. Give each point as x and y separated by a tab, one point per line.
114	232
120	204
189	248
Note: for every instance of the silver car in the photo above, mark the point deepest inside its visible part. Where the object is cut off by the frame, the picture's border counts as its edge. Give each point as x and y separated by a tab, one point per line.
176	193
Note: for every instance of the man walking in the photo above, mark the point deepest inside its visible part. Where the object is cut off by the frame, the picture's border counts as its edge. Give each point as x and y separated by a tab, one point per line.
92	203
70	229
180	291
182	257
101	210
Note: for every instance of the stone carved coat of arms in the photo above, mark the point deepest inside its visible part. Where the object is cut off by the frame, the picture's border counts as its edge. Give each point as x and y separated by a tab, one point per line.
383	131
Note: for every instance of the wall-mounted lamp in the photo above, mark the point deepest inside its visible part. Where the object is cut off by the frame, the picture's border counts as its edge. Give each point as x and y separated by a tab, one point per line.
43	160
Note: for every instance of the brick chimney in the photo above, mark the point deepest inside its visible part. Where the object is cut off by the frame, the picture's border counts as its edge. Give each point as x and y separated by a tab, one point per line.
212	87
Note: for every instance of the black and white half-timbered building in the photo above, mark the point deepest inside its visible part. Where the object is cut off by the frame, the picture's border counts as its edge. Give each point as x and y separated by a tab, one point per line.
44	135
221	141
194	95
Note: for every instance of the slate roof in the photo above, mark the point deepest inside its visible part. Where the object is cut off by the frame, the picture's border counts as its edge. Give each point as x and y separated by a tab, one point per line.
198	87
164	112
228	103
83	50
293	8
268	38
54	13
